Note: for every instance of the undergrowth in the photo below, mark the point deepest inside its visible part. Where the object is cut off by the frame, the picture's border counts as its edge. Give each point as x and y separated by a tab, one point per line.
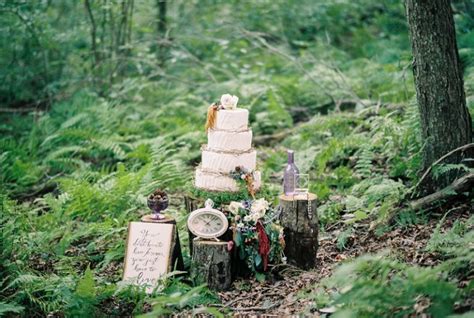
335	82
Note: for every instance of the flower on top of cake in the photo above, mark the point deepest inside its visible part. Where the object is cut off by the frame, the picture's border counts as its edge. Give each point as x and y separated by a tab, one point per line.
229	101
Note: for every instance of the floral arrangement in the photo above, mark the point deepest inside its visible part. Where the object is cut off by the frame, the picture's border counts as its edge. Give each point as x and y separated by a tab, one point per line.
257	237
245	177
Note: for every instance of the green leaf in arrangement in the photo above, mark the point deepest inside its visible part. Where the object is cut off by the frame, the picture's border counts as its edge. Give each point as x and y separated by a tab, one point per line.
242	253
258	260
260	277
238	239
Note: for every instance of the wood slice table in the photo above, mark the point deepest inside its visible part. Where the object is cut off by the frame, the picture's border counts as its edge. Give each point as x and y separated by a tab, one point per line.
211	264
176	254
300	222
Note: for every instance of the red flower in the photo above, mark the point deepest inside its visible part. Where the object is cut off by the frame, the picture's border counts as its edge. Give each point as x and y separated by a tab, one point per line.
263	244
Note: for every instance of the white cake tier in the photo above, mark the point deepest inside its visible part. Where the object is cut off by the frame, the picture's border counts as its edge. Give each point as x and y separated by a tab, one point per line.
221	161
224	140
233	120
212	181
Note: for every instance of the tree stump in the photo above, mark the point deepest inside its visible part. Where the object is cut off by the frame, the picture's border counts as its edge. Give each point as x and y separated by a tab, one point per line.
300	222
239	267
211	264
176	255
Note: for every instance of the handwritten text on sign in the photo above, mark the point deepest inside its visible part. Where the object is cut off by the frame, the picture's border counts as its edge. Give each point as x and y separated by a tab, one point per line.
148	253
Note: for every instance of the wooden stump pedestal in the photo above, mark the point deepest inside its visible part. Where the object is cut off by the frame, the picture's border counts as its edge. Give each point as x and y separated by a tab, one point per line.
176	254
300	222
211	264
239	267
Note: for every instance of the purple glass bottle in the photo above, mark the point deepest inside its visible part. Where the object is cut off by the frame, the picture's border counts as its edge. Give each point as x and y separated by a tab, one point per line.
290	175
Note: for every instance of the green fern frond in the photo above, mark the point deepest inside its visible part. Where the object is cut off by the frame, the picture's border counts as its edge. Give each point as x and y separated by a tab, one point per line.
363	166
443	169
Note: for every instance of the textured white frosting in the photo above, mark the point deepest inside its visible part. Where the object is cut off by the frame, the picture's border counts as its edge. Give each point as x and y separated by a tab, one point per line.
212	181
224	140
233	120
227	161
229	146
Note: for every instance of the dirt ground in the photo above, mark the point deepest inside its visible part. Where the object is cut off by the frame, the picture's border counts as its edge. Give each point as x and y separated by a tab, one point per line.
282	296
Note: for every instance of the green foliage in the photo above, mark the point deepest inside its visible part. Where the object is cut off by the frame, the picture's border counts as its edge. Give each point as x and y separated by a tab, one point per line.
453	245
329	212
224	198
375	285
6	308
246	217
178	299
343	238
406	218
363	166
84	299
98	131
444	169
271	115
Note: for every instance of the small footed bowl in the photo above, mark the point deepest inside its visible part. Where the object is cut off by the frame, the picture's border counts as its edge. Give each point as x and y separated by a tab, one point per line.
158	204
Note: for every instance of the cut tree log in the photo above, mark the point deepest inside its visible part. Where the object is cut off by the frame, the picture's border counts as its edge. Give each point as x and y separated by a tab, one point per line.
300	222
176	254
463	184
211	264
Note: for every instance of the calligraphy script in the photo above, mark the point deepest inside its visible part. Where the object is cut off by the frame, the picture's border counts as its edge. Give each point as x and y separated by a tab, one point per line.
148	253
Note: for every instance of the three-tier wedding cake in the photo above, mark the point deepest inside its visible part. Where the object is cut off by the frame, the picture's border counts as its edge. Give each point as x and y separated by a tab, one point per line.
228	150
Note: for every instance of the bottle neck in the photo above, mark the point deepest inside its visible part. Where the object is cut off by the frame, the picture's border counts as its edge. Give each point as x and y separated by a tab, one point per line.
291	157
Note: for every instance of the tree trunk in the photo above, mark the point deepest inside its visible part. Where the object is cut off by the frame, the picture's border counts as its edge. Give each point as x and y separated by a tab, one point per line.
211	264
94	50
445	120
161	28
161	17
300	222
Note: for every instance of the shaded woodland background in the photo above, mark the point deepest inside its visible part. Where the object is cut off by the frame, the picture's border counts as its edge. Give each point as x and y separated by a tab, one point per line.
104	101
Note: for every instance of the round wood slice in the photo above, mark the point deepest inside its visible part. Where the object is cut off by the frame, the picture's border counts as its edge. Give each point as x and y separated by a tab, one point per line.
149	218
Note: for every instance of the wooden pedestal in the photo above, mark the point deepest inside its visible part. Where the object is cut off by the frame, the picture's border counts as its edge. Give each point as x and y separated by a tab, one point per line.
300	222
211	264
176	255
239	267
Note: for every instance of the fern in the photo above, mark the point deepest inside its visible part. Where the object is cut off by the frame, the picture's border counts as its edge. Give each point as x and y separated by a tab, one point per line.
6	308
454	239
343	238
168	303
84	298
363	166
374	285
445	169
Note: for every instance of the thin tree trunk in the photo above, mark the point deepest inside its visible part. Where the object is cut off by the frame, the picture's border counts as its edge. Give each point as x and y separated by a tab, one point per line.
445	120
161	28
161	17
93	33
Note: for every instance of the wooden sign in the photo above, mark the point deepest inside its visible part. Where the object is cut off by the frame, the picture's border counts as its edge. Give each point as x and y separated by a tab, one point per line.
148	253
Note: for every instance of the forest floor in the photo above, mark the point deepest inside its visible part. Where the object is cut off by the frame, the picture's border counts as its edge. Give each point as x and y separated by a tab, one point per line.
291	292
